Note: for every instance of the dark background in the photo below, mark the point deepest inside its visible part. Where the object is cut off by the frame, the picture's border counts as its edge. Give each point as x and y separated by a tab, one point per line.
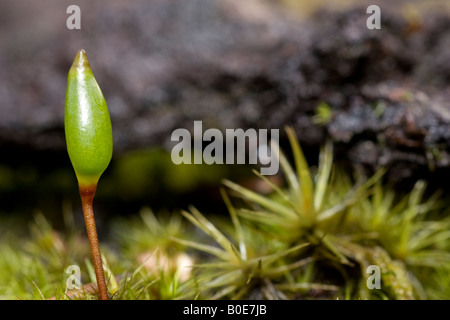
232	64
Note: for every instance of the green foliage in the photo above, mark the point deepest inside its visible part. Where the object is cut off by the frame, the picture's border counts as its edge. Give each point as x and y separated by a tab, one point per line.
348	226
140	173
33	268
238	270
159	263
313	238
310	207
404	228
323	114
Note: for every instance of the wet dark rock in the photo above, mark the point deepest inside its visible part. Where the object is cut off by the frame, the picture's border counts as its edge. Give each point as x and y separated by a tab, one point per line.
163	64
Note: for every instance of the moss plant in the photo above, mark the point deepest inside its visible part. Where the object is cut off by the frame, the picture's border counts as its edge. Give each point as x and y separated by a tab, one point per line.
313	238
89	144
149	241
241	269
310	207
323	115
321	208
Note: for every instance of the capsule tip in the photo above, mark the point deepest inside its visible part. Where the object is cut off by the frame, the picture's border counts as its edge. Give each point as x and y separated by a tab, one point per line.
81	60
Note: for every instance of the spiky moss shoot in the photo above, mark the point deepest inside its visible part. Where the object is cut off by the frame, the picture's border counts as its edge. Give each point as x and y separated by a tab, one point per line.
89	144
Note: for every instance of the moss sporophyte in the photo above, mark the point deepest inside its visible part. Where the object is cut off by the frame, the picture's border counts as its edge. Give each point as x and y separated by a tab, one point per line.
89	144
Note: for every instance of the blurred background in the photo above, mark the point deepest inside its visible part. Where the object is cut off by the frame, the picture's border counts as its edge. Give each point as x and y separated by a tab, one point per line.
162	64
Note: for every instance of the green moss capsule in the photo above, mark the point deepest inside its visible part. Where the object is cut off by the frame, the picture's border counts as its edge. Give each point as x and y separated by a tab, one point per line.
87	123
89	144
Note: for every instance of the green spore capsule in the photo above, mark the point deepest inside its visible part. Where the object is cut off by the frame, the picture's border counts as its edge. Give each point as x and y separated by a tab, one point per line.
87	123
89	144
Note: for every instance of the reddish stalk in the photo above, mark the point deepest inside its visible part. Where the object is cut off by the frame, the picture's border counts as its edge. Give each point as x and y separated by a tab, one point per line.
87	197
